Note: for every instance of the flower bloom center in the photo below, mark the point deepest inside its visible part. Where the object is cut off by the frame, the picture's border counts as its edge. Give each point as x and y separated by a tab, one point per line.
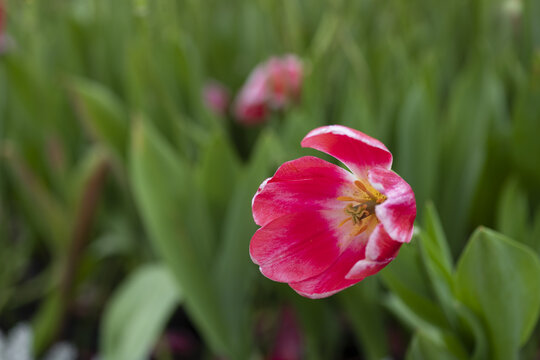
361	206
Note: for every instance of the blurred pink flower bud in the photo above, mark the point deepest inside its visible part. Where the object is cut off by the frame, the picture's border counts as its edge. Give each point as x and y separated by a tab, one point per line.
6	42
250	106
2	15
216	97
289	343
284	81
272	85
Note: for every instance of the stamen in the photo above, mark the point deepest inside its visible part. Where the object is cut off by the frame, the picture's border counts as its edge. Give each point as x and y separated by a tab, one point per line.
344	221
361	230
364	214
346	198
362	187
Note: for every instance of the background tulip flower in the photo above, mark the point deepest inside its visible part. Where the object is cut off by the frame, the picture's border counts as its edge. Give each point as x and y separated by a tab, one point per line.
250	106
324	228
284	81
216	97
2	24
6	42
1	18
274	84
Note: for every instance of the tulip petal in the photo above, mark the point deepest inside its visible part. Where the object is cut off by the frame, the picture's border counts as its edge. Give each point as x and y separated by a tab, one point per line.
398	212
297	246
380	251
365	268
250	104
304	184
358	151
333	279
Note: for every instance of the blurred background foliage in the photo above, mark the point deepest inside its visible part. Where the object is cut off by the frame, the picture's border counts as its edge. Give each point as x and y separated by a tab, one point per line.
125	203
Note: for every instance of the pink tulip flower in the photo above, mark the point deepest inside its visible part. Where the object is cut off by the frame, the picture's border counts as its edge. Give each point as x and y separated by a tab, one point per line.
1	17
6	42
324	228
250	107
274	84
216	97
284	81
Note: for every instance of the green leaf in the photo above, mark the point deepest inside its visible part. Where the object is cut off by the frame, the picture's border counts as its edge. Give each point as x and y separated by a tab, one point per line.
102	113
407	279
499	279
219	169
464	149
425	347
535	232
46	321
45	212
513	212
525	126
418	143
320	326
437	244
137	313
440	336
437	260
471	325
235	271
164	190
364	310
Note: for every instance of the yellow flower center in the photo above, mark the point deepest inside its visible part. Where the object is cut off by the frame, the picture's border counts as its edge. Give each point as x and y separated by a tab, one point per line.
361	206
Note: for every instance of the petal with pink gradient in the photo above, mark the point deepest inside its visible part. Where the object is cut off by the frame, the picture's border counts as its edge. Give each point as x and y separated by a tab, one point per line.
358	151
250	105
304	184
333	279
398	212
381	246
380	251
364	268
295	247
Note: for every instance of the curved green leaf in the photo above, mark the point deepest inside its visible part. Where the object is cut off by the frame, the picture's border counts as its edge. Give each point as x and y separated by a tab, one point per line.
499	279
137	313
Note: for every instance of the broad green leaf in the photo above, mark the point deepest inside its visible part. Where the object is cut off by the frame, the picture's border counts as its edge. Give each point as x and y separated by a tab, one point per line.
102	113
138	312
164	190
499	279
